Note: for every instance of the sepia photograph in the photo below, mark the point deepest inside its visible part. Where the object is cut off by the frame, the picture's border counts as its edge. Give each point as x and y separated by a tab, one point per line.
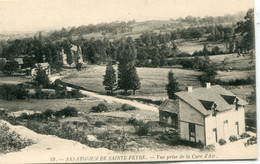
105	81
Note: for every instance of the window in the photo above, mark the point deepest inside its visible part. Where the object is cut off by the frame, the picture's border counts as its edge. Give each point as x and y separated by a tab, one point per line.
226	122
192	132
237	127
215	134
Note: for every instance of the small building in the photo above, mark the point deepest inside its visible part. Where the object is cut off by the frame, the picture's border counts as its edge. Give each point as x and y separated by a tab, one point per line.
43	66
205	114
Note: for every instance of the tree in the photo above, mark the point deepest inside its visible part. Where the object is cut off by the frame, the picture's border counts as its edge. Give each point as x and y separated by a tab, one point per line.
69	58
42	78
172	86
2	64
134	79
209	75
11	67
126	56
205	50
28	62
247	30
110	78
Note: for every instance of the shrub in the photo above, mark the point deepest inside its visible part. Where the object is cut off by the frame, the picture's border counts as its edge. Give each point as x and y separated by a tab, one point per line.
75	93
199	145
48	113
126	107
104	136
244	135
67	112
236	82
42	78
99	124
222	141
11	67
10	92
99	108
251	141
133	121
209	148
11	141
142	130
232	138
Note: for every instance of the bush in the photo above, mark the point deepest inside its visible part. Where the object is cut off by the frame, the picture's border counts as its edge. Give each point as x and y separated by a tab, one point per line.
104	136
142	130
133	121
48	113
99	124
67	112
232	138
10	92
42	78
236	82
222	141
251	141
209	148
126	107
99	108
11	67
11	141
75	93
244	135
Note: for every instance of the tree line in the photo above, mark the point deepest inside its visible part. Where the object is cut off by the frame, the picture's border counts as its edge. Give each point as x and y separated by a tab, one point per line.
152	49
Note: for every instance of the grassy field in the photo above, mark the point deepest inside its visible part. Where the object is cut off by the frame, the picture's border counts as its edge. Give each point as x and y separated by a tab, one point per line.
192	45
4	79
153	80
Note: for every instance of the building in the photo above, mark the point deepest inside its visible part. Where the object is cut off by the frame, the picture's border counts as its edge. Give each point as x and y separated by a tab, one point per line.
205	114
76	53
43	66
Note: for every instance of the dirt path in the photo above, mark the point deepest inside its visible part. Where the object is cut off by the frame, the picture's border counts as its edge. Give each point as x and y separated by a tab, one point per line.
112	99
118	100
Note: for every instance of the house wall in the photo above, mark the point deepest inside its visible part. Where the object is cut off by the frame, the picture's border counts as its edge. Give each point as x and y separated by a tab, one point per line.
224	131
188	114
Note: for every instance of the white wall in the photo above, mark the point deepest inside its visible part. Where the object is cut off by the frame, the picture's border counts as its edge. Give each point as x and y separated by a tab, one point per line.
232	116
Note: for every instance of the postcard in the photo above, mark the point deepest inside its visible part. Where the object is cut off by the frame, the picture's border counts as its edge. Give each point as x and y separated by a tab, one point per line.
94	81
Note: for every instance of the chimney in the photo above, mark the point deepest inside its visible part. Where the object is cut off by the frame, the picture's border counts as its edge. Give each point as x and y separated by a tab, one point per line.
189	89
207	85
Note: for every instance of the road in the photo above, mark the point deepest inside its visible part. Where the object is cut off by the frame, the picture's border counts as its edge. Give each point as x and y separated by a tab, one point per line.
112	99
118	100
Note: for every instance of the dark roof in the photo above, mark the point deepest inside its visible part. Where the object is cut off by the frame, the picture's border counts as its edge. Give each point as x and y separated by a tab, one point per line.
212	94
171	106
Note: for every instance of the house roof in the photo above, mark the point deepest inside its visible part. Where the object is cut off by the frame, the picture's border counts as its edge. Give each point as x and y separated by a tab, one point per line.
208	96
19	60
43	65
171	106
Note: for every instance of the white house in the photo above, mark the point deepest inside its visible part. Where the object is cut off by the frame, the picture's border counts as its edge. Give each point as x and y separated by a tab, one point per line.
43	66
205	114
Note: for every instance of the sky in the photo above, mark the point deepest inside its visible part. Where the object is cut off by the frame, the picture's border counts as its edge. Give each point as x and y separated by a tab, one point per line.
33	15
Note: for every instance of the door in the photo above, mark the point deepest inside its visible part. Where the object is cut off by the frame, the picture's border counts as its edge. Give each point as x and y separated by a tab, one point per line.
192	132
174	120
237	127
225	130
